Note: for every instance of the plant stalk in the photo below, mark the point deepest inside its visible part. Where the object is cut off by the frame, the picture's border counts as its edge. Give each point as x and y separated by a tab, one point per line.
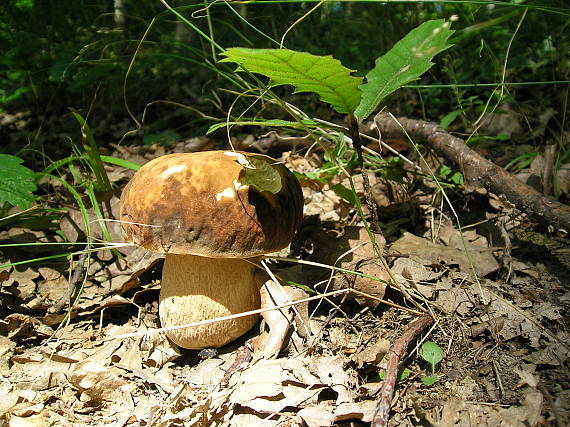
357	143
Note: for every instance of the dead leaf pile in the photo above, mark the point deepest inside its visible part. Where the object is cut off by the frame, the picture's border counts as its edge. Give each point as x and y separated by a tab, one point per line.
501	321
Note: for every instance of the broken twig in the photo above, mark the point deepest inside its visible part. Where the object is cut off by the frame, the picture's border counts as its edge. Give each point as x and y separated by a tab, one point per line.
478	170
395	354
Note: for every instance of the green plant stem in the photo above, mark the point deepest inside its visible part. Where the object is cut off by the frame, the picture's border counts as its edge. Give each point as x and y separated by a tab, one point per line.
210	29
93	154
191	25
357	143
28	261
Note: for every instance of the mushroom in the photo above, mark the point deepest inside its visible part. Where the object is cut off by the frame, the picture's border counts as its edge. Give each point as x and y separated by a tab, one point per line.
196	208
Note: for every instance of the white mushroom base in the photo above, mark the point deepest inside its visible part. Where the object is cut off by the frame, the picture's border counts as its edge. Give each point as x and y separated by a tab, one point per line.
197	288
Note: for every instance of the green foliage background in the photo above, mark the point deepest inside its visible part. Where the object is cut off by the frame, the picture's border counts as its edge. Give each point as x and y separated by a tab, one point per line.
56	55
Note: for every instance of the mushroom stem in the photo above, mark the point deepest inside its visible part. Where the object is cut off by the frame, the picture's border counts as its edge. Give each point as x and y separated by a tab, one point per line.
196	288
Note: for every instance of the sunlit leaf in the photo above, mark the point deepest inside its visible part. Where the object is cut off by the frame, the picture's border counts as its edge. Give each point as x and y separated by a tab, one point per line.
429	380
405	62
431	352
323	75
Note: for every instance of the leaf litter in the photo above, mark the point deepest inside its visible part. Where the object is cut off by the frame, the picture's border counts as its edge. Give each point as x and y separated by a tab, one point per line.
505	341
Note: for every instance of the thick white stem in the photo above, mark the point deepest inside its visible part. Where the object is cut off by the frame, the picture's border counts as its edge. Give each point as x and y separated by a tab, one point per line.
197	288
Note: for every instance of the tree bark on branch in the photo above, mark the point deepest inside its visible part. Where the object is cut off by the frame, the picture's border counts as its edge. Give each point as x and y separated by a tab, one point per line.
478	170
395	355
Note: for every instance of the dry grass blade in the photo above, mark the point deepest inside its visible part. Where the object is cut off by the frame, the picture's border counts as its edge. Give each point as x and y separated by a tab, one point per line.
233	316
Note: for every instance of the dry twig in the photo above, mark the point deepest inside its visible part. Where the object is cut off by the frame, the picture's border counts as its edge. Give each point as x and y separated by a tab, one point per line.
478	170
395	355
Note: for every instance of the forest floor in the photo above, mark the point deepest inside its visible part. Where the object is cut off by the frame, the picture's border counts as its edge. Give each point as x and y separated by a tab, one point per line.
498	291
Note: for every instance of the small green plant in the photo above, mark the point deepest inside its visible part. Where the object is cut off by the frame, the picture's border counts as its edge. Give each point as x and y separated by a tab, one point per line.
347	94
433	354
330	168
326	76
450	176
335	160
402	374
93	155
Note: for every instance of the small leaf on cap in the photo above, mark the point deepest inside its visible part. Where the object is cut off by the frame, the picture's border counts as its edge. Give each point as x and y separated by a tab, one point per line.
262	176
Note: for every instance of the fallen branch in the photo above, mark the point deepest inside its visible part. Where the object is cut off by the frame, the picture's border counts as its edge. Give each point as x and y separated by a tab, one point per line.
395	354
478	170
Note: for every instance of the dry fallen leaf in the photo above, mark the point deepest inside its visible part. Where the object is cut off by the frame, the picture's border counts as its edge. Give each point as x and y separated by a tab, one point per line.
350	249
18	325
269	386
268	344
21	282
459	413
326	414
6	350
97	382
54	286
333	371
372	353
434	254
318	416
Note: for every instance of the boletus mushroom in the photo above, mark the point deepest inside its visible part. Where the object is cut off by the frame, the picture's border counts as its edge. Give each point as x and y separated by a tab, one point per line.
198	209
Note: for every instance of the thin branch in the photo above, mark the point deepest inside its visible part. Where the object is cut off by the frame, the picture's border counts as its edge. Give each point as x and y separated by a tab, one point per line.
480	171
396	354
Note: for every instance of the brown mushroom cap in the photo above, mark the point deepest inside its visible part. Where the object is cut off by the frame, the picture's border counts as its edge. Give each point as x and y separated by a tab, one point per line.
195	203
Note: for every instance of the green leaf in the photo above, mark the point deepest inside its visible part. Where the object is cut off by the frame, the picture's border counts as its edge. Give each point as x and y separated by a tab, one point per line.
457	178
24	4
323	75
273	123
261	175
6	98
405	62
521	162
121	162
324	174
449	119
402	374
17	183
341	191
444	171
429	380
93	154
300	286
431	353
393	170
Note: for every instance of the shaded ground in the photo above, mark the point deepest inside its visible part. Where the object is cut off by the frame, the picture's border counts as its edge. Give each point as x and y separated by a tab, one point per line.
501	311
